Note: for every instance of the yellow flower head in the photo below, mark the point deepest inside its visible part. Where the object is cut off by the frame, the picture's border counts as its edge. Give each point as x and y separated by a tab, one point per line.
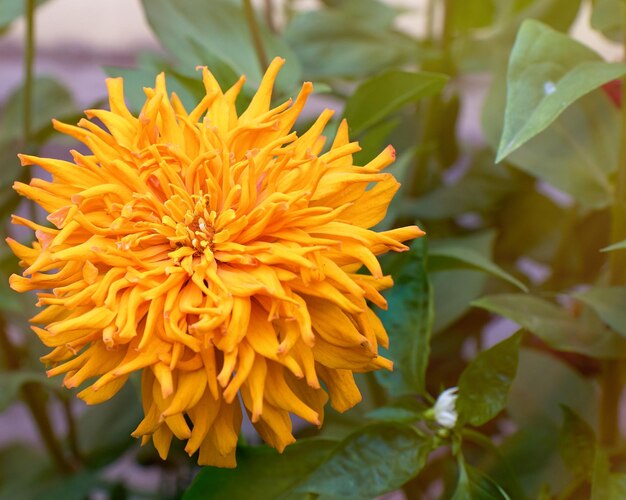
218	255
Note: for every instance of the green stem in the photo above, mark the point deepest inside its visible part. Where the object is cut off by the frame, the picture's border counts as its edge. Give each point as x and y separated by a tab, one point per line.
255	33
27	108
269	16
72	433
430	20
29	57
611	381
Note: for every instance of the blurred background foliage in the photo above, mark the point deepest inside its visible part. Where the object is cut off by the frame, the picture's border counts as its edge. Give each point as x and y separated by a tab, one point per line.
516	296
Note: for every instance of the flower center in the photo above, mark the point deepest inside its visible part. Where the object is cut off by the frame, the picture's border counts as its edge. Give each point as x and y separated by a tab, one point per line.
201	234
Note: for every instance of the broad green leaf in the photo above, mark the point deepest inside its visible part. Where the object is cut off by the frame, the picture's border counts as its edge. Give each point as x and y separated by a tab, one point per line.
484	385
533	236
10	301
217	36
408	321
452	254
50	100
543	384
352	41
607	16
372	461
608	303
404	410
556	326
531	454
453	292
548	71
577	443
473	484
115	419
455	289
11	383
384	94
576	154
262	472
483	188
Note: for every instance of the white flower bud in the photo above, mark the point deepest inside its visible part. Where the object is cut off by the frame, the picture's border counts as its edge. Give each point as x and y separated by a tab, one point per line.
445	408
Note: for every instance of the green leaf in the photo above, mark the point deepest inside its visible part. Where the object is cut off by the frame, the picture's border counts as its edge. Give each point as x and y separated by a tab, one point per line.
405	410
577	443
217	37
354	40
543	384
548	71
50	100
531	456
408	321
476	485
576	154
114	419
484	385
382	95
452	254
608	303
265	472
371	462
455	289
607	16
11	383
483	188
556	326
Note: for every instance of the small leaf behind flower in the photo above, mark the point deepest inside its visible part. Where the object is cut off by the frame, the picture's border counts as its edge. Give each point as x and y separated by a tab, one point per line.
608	302
556	326
484	385
384	94
475	484
577	443
450	255
11	383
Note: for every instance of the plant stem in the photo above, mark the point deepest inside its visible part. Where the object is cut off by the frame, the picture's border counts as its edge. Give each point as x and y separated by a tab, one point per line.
72	434
29	57
33	397
27	105
611	379
255	33
269	16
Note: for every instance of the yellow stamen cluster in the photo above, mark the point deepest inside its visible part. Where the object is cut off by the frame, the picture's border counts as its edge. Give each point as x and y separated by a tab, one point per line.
217	254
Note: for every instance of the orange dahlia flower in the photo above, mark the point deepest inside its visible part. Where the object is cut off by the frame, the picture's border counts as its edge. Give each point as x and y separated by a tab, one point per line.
216	254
